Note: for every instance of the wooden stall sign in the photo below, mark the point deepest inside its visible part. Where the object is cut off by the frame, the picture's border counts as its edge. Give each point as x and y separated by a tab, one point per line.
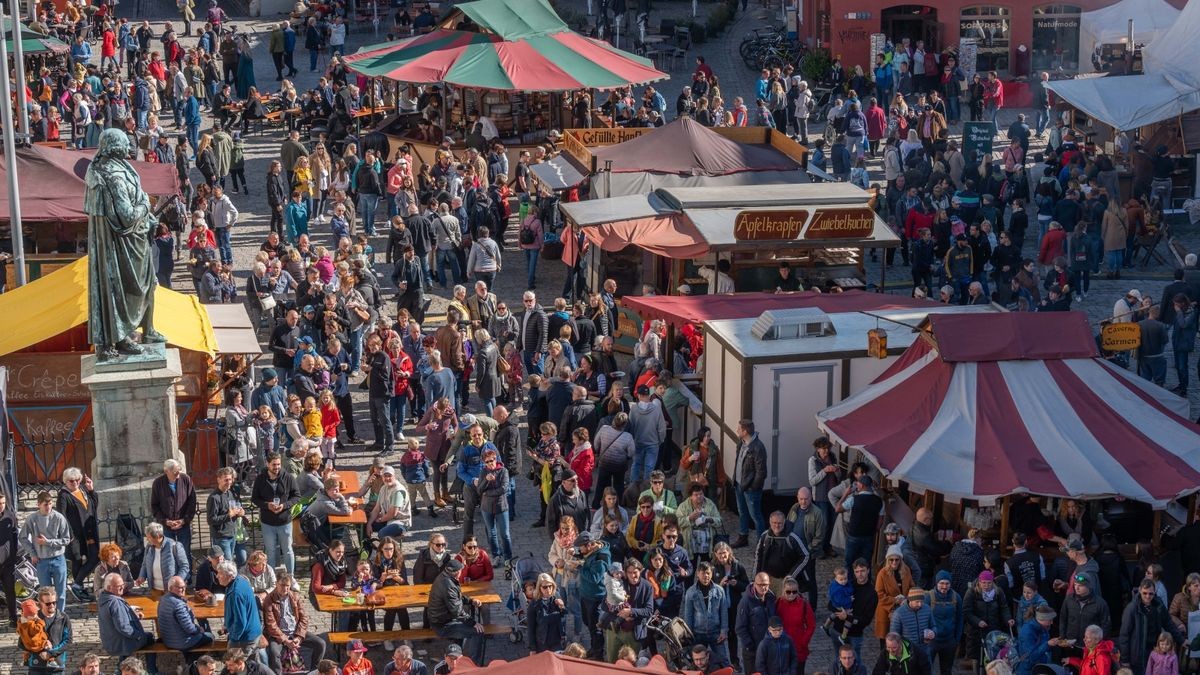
1120	337
769	225
852	223
605	136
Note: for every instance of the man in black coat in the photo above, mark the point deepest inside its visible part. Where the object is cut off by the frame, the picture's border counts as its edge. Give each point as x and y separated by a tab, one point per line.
77	501
284	342
531	338
450	612
568	500
580	413
508	444
8	557
278	195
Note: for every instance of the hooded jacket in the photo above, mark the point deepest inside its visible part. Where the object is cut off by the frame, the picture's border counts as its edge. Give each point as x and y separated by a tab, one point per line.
911	661
1097	661
776	656
752	616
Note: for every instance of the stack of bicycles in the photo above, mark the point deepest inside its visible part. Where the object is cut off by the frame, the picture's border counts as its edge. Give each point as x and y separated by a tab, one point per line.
769	48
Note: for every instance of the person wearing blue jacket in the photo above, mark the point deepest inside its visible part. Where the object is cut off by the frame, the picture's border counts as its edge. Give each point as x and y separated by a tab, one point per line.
706	612
243	624
754	611
177	624
592	572
164	559
1033	641
191	118
884	79
946	606
121	632
776	653
913	621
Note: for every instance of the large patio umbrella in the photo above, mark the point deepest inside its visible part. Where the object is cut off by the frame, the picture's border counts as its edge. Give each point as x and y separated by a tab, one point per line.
561	61
32	42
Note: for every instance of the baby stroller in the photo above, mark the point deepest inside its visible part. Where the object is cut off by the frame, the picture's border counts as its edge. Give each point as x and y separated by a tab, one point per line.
25	576
518	572
998	645
677	637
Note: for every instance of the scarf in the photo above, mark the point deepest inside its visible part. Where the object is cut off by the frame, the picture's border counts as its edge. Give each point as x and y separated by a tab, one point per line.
438	558
333	568
989	596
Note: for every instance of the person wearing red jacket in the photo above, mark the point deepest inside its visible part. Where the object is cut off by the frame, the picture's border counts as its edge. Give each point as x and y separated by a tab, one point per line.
402	369
918	219
798	620
477	565
876	125
1053	245
108	49
1097	658
993	98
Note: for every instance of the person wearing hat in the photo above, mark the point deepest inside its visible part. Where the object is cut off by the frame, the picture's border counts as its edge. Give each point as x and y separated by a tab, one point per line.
776	655
567	500
1076	563
945	606
449	661
892	582
357	662
913	620
959	263
985	609
893	535
1034	641
1082	608
451	614
866	512
206	571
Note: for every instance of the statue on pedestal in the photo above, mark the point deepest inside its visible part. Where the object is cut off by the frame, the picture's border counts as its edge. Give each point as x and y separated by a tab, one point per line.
121	280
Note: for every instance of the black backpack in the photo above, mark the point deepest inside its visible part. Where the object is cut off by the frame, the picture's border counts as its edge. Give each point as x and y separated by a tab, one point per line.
130	539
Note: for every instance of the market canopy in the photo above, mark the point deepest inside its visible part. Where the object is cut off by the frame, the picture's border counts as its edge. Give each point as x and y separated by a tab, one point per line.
1127	102
529	50
32	42
678	310
1176	50
994	404
1109	25
56	303
52	183
687	147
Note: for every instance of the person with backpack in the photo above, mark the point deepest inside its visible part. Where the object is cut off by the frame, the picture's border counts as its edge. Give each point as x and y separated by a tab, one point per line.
483	261
530	239
854	126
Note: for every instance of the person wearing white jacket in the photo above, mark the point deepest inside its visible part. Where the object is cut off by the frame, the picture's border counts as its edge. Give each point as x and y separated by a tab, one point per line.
224	216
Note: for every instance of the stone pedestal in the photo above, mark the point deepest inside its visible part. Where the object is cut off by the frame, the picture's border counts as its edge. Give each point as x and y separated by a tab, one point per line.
136	425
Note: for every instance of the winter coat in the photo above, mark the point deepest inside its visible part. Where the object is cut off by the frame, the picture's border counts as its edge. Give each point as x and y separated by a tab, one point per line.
947	614
776	656
799	623
1098	661
1033	644
547	625
1140	626
912	661
887	589
995	613
121	632
912	623
1078	613
966	562
752	616
177	627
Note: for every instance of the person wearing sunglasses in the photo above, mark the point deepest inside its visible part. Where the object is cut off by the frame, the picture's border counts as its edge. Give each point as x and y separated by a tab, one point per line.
1144	618
546	618
431	560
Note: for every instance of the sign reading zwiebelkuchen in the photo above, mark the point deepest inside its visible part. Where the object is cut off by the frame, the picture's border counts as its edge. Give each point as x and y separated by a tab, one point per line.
769	225
852	223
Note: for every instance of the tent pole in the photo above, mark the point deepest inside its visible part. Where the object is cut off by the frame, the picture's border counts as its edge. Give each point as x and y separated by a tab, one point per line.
10	162
1005	506
14	14
882	272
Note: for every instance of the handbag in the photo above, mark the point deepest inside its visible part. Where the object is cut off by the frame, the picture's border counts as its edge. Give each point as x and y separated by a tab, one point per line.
267	302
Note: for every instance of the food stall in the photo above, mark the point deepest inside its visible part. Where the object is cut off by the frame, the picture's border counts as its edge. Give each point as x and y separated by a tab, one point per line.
663	238
49	408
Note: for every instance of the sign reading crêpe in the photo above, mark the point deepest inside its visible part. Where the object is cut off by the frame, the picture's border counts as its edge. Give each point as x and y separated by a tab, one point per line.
852	223
769	225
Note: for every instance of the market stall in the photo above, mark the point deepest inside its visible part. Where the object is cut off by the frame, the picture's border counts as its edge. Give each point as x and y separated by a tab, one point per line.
664	237
50	413
52	188
509	61
984	407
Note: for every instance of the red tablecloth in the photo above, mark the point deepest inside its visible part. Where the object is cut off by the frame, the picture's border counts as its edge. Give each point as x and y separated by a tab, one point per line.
1017	95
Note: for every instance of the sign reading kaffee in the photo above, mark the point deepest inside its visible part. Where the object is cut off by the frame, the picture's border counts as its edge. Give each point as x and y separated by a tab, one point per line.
852	223
769	225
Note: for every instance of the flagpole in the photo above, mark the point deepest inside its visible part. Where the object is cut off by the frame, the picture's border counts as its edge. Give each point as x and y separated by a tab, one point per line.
14	13
10	163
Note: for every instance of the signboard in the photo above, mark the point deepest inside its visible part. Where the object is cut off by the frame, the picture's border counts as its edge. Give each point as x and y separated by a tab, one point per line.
44	377
977	139
851	223
1120	337
769	225
606	135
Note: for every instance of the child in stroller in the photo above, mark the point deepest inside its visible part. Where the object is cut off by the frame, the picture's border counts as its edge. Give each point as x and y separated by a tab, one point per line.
522	575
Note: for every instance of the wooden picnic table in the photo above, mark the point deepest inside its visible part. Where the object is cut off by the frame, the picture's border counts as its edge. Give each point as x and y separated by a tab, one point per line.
356	517
148	603
403	597
349	482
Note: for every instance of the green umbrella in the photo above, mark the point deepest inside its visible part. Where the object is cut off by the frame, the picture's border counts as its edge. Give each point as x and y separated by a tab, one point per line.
32	42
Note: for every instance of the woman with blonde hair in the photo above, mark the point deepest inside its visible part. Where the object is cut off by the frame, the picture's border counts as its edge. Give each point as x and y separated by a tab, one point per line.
546	618
259	574
320	164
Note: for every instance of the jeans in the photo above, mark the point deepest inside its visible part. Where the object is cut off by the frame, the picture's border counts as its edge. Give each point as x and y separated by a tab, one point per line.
1181	368
1153	368
193	136
53	572
512	495
143	121
489	404
224	244
644	459
395	529
428	276
447	258
749	506
858	547
184	536
488	278
233	550
366	210
312	58
277	539
532	362
1043	119
355	347
531	261
497	533
953	108
397	409
381	422
992	111
472	639
177	110
1114	260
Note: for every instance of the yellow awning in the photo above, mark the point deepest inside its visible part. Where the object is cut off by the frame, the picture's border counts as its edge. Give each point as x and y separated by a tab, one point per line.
57	303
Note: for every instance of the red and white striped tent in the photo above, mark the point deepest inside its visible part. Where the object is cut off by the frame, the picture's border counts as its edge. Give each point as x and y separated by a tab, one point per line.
988	405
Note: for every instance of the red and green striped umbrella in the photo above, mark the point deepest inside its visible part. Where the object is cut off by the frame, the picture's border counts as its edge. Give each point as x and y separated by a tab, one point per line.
561	61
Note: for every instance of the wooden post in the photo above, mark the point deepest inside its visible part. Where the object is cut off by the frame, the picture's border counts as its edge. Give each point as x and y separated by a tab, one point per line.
1157	536
1005	504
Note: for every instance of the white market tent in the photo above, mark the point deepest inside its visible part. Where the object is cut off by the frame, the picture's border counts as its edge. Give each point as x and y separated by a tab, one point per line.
1169	86
1151	20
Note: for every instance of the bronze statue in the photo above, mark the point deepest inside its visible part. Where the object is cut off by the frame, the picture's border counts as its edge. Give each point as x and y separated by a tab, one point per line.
121	280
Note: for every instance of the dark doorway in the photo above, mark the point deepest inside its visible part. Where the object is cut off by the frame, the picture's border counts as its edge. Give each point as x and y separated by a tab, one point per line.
915	22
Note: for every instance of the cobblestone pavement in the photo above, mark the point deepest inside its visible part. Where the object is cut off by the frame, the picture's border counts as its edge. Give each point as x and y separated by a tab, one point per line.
252	228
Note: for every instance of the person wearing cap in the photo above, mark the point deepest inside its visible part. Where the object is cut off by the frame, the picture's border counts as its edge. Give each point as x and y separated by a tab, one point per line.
1082	608
451	614
893	535
913	620
206	571
1143	620
357	662
900	657
985	608
449	661
1034	641
866	514
1075	563
567	500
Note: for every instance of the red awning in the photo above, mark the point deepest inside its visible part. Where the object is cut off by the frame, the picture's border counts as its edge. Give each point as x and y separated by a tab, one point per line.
678	310
1014	336
670	236
52	184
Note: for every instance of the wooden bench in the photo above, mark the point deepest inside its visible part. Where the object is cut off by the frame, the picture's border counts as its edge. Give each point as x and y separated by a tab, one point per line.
413	634
160	648
1178	250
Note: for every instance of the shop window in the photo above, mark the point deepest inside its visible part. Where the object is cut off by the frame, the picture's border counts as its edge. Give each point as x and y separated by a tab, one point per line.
991	28
1056	38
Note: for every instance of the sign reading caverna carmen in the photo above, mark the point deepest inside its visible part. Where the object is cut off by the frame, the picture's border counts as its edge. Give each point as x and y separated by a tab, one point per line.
848	223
